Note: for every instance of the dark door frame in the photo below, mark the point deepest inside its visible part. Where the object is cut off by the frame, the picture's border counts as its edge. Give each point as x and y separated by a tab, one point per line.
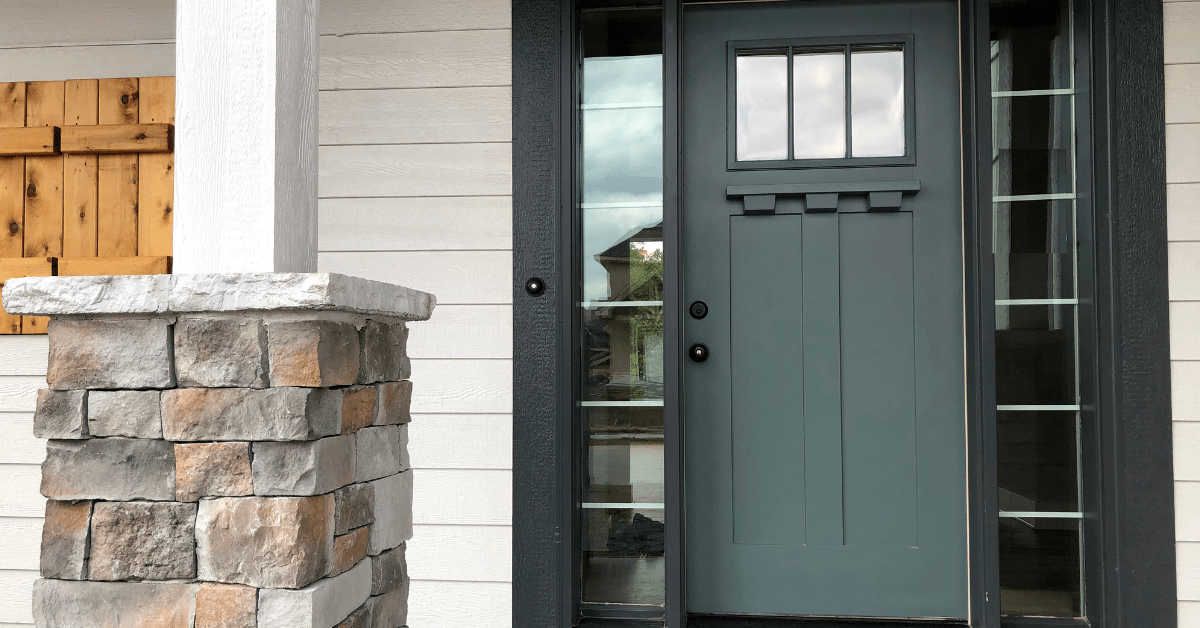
1136	549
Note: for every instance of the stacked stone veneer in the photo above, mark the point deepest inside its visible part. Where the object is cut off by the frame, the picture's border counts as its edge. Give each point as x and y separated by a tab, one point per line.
223	467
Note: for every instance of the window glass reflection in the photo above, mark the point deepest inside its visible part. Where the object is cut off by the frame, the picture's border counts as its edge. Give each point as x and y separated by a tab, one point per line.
762	105
819	81
877	103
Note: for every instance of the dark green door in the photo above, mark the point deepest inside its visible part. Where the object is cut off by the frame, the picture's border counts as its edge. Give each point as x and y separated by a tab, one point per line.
822	217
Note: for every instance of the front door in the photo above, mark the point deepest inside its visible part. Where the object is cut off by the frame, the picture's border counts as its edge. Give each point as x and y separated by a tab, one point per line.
823	278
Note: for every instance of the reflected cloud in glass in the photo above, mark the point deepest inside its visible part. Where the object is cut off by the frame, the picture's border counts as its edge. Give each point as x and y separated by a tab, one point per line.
762	91
877	103
820	108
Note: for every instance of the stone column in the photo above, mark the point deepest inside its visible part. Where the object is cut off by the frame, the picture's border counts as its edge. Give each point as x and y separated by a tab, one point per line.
225	451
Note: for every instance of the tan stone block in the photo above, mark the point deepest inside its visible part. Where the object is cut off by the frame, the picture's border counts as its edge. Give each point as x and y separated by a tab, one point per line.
226	606
110	354
350	548
266	542
358	408
392	403
236	414
65	540
212	470
318	354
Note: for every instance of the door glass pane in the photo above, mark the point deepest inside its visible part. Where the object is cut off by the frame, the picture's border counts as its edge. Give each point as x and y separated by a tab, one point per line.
1033	145
1035	250
620	314
819	81
877	103
1039	566
762	107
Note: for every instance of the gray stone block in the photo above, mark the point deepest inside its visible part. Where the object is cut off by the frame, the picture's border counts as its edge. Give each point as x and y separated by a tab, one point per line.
378	453
389	570
390	610
303	468
216	414
110	354
220	352
393	400
66	604
65	540
384	352
132	413
354	507
321	605
212	470
115	469
360	618
143	541
313	353
393	512
265	541
61	414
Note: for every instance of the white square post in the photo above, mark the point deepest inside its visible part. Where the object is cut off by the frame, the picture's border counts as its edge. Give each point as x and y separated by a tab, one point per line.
246	136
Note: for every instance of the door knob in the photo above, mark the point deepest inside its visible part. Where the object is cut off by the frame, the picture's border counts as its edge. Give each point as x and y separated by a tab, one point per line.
698	352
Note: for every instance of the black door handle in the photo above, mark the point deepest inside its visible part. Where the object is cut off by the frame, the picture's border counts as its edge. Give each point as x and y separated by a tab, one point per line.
698	352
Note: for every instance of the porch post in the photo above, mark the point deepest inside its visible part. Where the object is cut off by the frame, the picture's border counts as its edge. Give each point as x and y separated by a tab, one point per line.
246	129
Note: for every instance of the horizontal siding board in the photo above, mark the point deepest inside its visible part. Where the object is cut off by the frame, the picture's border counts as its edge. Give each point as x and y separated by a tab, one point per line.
1183	212
1187	511
16	595
430	59
1185	330
82	62
342	17
416	170
23	355
416	116
461	441
20	494
439	604
1183	152
460	553
1181	22
1188	570
454	277
19	445
462	386
462	497
1183	258
1189	615
1186	444
18	393
29	22
22	542
415	224
1185	391
1183	93
463	331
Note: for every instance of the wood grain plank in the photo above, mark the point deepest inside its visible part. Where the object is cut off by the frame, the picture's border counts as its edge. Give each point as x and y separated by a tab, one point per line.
435	604
421	170
80	173
462	497
156	172
16	595
118	138
29	141
78	62
118	182
11	268
140	265
456	277
20	493
414	224
12	175
24	355
343	17
431	59
20	446
21	548
409	116
458	553
462	386
44	102
460	441
464	331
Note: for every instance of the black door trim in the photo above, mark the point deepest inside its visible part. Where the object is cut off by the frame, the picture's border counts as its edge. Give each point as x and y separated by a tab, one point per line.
1136	497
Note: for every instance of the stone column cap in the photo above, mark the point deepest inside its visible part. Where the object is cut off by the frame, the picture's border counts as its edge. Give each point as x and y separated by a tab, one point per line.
231	292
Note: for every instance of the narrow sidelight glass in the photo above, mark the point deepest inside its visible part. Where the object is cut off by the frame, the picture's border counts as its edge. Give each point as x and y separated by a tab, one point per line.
819	83
762	107
877	103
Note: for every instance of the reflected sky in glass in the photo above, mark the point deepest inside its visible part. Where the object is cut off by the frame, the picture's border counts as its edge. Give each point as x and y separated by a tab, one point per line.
820	109
762	92
622	157
877	103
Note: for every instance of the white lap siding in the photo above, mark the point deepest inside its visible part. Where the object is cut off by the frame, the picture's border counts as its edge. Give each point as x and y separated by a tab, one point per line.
1182	53
415	189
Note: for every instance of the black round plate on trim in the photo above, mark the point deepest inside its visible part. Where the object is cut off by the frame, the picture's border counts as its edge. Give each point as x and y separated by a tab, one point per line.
698	352
535	286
